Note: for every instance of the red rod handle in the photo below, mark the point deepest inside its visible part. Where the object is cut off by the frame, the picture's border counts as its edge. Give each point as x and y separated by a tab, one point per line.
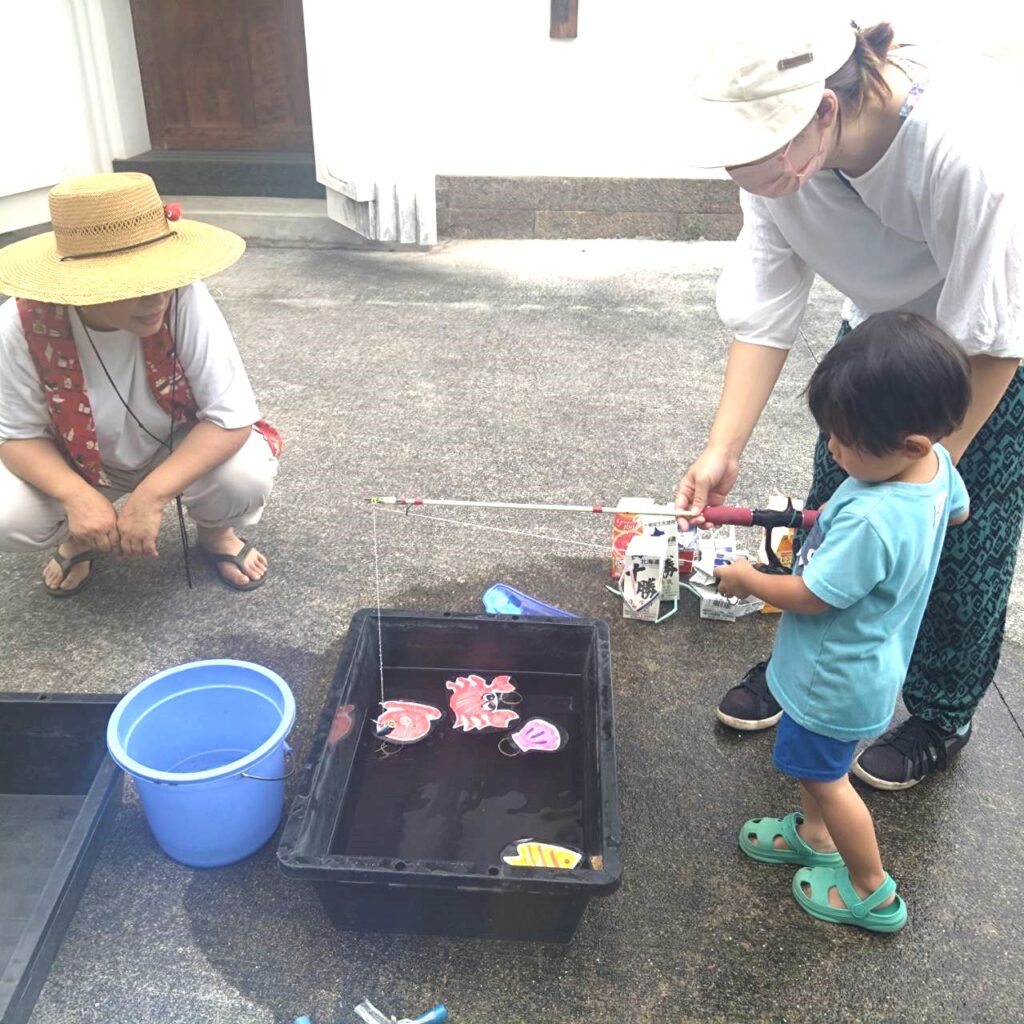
730	515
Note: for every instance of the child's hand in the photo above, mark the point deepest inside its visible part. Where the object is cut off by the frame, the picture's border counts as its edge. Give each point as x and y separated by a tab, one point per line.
733	579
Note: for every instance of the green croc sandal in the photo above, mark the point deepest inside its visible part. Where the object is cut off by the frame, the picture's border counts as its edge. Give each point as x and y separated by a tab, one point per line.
866	913
764	831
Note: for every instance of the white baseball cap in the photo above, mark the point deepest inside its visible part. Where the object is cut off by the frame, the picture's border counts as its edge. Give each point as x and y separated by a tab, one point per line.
760	79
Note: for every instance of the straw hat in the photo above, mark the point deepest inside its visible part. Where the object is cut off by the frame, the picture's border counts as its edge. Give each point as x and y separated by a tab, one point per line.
113	239
760	78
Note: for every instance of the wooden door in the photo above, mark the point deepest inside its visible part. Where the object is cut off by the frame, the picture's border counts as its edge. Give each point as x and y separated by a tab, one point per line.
224	74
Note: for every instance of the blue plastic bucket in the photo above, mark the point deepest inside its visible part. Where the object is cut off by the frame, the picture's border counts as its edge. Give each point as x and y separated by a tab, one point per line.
205	743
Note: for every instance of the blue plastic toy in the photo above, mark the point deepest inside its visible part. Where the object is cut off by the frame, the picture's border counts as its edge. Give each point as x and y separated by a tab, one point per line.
369	1014
502	599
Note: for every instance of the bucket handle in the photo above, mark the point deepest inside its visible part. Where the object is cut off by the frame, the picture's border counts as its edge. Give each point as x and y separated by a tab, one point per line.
275	778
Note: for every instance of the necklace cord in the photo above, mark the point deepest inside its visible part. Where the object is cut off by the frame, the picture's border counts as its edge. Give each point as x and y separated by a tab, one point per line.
175	365
169	443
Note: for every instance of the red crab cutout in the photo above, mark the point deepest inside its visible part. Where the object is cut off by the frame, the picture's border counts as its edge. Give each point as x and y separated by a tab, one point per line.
476	703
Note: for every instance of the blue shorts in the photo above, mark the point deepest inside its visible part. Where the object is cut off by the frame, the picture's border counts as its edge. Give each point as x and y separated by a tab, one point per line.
802	754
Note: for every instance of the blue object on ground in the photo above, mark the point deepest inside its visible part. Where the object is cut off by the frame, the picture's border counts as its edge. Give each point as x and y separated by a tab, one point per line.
435	1016
205	743
369	1014
502	599
303	1020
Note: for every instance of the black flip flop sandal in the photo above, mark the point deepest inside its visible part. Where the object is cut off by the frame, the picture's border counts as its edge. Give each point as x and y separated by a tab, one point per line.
66	565
238	561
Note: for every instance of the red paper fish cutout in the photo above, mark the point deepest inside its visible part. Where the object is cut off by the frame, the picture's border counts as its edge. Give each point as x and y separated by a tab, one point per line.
404	721
341	725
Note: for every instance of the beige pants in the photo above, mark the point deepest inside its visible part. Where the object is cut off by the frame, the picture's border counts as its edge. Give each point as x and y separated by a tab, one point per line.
231	494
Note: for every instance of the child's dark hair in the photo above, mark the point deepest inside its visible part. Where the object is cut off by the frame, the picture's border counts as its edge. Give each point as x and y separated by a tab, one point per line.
894	375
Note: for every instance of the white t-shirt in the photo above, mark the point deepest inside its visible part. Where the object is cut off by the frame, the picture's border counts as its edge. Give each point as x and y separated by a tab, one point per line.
936	227
208	357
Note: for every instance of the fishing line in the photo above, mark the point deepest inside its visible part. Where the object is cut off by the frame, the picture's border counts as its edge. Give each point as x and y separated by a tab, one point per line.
513	533
376	576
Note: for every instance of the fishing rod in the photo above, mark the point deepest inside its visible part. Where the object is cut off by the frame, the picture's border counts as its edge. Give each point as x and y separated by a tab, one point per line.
716	515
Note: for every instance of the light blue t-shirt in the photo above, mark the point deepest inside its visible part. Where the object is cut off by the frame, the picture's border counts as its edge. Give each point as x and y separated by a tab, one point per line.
872	557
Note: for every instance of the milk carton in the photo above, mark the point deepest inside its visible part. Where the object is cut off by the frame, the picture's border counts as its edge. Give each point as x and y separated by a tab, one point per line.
626	526
715	547
667	529
642	577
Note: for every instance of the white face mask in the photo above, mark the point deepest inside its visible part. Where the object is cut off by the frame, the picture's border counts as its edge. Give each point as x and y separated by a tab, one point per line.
777	176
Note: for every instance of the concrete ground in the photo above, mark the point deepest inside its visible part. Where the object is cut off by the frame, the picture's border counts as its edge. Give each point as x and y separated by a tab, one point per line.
542	371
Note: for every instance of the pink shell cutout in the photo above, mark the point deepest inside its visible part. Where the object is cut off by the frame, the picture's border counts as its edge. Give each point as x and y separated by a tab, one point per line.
539	734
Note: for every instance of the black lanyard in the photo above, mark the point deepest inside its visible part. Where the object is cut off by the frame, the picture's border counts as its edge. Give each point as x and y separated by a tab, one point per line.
169	443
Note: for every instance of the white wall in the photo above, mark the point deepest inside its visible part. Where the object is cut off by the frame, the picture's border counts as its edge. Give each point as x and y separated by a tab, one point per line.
117	82
479	87
984	38
71	111
45	120
518	102
440	87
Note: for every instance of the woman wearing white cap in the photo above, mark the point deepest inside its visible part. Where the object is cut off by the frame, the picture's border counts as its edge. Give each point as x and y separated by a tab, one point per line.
852	165
119	376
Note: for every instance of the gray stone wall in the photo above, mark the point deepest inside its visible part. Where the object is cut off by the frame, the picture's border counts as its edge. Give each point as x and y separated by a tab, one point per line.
665	208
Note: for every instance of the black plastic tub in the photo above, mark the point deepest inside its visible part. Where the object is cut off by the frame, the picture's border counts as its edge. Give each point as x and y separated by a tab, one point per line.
413	842
58	789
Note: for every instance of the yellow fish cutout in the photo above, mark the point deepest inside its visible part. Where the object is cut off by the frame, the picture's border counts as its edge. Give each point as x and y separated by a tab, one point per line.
531	854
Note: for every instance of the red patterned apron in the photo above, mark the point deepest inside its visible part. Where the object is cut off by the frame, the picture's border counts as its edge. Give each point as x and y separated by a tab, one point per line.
47	329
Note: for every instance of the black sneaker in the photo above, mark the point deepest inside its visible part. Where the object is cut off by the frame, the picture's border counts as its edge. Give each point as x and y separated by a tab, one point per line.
749	705
907	754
